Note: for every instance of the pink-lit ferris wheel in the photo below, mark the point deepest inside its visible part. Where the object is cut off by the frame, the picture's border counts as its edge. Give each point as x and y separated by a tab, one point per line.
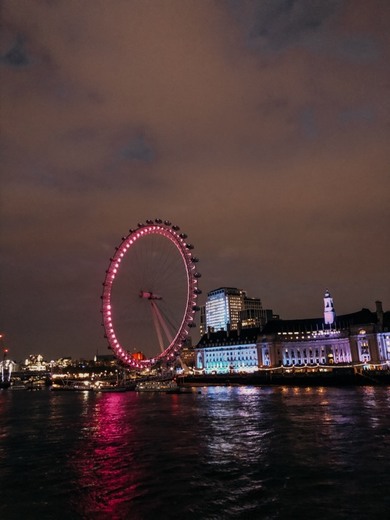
149	294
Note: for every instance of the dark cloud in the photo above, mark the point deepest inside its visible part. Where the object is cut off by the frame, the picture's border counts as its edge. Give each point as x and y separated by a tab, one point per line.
137	150
357	115
16	56
360	49
276	24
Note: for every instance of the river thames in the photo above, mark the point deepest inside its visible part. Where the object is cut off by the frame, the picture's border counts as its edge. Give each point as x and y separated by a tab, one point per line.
217	453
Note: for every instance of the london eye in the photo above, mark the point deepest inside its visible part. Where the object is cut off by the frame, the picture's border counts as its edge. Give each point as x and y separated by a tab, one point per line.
149	294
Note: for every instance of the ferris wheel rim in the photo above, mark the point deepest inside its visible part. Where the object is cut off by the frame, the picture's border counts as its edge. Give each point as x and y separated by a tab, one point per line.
170	232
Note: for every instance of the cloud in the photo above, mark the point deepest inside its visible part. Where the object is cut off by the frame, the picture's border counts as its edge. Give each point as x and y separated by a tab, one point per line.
137	150
359	49
261	128
273	25
16	56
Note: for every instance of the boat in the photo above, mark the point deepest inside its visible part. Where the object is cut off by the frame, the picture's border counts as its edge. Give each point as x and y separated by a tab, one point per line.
70	385
39	384
156	385
112	388
19	385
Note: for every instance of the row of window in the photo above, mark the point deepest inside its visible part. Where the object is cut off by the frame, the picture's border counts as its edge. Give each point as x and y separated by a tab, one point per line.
297	353
211	366
212	358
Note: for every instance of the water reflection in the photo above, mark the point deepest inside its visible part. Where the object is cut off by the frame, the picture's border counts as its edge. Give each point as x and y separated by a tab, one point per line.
107	474
230	452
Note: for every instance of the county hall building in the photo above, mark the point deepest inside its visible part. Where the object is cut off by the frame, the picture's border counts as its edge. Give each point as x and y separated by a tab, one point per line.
361	338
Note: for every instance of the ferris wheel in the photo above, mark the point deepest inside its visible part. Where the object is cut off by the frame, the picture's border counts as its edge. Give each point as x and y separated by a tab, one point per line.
149	294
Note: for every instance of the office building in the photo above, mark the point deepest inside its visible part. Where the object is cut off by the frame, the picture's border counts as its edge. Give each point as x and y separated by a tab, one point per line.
227	307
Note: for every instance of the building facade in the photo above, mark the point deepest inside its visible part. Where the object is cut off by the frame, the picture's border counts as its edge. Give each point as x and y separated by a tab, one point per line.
223	308
228	307
224	352
360	338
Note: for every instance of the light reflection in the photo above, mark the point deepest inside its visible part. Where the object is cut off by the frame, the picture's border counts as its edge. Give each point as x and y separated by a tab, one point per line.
232	410
370	404
106	472
240	434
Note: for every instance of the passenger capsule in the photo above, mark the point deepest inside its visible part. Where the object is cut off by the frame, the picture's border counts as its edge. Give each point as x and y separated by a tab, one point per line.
183	235
197	275
175	228
167	222
189	246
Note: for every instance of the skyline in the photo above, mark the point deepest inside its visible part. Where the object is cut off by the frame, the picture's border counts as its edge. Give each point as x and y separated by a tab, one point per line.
261	128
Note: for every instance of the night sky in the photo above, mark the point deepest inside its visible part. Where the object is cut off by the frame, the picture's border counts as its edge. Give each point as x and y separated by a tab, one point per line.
260	127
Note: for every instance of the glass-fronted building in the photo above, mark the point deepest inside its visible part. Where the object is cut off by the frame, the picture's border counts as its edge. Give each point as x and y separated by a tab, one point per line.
223	308
227	307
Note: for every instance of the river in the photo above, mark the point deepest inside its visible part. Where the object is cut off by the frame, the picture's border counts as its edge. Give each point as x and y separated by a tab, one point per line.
217	453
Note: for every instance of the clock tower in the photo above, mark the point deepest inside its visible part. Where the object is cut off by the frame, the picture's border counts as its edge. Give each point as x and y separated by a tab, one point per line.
329	313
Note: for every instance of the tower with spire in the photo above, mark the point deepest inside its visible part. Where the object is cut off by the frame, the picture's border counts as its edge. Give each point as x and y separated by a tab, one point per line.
329	313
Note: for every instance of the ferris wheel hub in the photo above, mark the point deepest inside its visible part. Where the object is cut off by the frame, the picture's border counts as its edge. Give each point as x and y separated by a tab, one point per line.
149	295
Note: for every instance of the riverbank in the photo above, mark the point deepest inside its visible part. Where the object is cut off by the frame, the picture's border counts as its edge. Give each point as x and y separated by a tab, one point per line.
336	377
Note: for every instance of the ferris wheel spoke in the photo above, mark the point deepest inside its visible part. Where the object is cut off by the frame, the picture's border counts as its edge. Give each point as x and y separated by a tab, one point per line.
157	327
161	321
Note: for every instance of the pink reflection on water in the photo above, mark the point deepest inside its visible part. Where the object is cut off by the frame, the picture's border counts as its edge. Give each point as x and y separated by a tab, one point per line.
105	459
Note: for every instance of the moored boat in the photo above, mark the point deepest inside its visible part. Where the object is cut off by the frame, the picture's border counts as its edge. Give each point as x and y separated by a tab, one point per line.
156	386
19	385
69	385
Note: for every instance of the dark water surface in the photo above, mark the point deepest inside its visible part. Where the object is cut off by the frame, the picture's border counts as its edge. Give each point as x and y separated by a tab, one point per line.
224	453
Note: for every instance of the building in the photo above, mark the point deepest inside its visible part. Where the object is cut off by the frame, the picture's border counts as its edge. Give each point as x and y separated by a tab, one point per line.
231	351
360	338
202	320
223	308
227	307
253	315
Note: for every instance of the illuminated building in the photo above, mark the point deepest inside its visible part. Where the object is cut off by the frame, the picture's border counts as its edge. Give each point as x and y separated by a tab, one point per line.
231	351
253	314
105	359
227	307
138	355
360	338
202	320
223	307
329	312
